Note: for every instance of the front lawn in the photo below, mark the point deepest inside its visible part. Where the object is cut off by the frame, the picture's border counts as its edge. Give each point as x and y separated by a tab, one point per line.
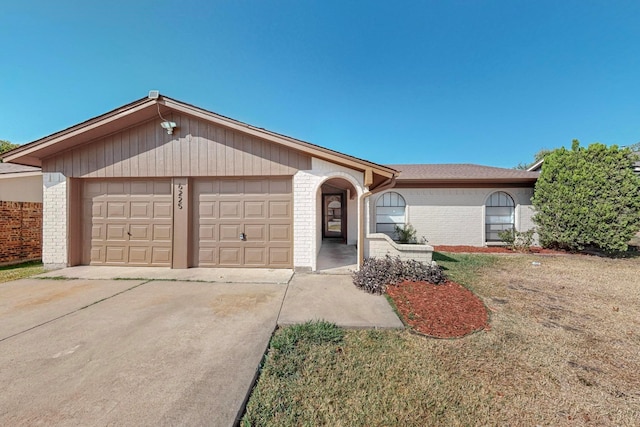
563	349
20	271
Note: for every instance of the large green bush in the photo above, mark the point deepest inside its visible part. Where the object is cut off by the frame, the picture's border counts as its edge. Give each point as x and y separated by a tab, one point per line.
587	197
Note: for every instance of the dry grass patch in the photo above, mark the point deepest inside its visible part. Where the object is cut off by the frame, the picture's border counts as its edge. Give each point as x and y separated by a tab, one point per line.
20	271
564	349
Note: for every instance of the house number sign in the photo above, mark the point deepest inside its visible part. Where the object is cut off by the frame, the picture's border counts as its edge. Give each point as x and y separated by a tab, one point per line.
180	196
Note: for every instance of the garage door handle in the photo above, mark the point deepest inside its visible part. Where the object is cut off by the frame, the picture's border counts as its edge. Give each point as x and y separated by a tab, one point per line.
129	233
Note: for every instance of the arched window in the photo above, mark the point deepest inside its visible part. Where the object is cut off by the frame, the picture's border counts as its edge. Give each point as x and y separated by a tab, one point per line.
499	216
390	211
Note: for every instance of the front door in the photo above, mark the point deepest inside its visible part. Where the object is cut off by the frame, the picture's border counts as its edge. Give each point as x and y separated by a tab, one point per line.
334	216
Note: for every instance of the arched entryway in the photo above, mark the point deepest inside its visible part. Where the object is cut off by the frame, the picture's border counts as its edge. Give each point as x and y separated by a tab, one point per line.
338	227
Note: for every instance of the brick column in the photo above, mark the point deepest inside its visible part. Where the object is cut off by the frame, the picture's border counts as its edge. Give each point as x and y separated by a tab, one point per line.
54	220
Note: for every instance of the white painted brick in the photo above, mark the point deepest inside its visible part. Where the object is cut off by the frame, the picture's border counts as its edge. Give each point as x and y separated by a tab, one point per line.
455	216
54	220
307	231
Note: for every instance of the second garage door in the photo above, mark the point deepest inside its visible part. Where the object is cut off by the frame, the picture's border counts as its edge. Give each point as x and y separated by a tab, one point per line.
243	222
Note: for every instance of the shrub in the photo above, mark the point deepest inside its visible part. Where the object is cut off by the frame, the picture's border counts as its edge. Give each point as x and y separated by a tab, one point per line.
378	273
520	241
587	198
405	234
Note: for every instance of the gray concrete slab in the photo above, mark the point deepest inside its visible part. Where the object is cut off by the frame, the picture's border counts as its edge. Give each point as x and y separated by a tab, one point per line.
27	303
335	299
163	353
218	275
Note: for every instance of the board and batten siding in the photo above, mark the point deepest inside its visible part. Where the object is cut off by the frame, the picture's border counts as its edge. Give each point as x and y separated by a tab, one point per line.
197	148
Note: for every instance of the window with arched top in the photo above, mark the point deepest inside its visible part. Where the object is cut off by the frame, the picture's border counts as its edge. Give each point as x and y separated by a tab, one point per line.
499	215
390	212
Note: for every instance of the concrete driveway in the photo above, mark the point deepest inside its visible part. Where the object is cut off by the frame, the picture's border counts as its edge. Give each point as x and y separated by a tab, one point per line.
131	352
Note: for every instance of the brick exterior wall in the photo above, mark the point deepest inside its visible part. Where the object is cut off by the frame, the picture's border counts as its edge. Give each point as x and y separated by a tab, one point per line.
307	231
20	231
456	216
378	245
54	220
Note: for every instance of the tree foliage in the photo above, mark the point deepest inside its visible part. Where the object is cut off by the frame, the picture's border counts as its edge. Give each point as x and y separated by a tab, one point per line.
7	146
587	197
536	158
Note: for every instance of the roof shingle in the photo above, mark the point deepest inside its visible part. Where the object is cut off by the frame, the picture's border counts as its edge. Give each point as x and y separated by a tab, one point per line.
461	172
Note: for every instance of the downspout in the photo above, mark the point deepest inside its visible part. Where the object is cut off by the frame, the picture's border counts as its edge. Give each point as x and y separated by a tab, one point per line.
390	183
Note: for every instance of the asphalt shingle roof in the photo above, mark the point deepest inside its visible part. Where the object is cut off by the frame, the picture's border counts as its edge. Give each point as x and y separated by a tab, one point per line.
15	168
459	171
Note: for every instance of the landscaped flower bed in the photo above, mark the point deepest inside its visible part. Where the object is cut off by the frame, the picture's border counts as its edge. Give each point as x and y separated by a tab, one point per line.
448	310
426	300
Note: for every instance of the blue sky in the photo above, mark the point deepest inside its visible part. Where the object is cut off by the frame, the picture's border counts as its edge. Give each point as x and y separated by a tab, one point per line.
488	82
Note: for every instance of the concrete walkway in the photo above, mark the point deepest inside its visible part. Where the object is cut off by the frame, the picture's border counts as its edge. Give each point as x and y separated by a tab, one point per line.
329	296
146	351
334	298
215	275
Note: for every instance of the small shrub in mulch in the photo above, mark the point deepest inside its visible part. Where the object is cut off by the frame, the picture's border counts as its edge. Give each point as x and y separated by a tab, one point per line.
377	273
447	310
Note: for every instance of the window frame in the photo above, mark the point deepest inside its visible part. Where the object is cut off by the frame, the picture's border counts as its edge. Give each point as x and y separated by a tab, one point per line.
389	202
505	201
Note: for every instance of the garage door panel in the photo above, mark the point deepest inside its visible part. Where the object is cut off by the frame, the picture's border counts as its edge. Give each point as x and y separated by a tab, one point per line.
115	232
231	186
230	209
256	233
280	256
224	210
280	186
98	231
160	255
97	255
139	232
162	188
255	210
229	232
162	210
279	233
98	210
116	210
207	209
139	255
129	222
230	257
162	232
255	256
207	257
280	209
208	232
116	187
140	210
116	254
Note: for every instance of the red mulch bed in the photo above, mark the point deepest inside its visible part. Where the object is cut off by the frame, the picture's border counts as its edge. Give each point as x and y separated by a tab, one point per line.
448	310
490	249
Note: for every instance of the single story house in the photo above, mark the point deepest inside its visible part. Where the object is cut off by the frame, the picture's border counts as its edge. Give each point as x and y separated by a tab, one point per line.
160	182
20	213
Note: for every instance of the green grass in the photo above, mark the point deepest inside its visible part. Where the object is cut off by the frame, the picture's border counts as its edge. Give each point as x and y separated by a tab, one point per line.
555	355
464	268
20	271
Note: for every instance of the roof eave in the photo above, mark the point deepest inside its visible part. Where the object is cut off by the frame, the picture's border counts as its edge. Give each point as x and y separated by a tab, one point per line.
32	153
465	182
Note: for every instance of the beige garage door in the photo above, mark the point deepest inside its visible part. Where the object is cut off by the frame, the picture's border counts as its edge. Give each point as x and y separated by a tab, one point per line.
127	222
243	222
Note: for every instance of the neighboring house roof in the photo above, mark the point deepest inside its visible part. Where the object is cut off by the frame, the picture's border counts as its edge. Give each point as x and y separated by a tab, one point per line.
12	169
146	109
434	174
537	166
